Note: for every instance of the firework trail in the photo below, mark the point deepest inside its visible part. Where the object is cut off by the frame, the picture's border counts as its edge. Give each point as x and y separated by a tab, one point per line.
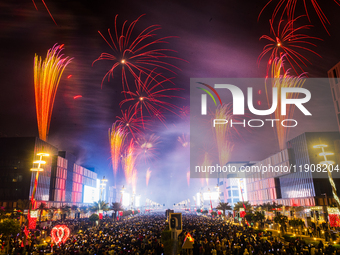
129	162
146	146
286	41
46	9
289	6
150	97
184	140
134	180
47	76
130	121
222	133
138	54
205	164
280	80
188	178
148	175
117	136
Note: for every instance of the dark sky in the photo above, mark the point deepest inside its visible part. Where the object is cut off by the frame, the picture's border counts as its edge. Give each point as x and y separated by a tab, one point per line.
217	39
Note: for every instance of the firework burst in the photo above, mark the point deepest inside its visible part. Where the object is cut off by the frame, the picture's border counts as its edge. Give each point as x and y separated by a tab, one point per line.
130	121
138	54
129	162
286	41
147	146
184	111
280	80
184	140
117	136
150	97
288	7
47	76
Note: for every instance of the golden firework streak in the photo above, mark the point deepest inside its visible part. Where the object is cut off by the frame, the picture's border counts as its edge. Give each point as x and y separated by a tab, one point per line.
47	76
280	80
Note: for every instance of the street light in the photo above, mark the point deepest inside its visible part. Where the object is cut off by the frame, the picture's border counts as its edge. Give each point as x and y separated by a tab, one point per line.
38	170
328	163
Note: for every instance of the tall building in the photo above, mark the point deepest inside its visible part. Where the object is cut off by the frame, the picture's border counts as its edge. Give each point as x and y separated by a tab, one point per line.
263	186
61	181
234	188
16	159
82	177
334	80
58	180
302	184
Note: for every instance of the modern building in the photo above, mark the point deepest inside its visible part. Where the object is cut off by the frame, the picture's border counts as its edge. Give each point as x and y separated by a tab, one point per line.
334	80
233	188
61	182
17	155
297	180
263	186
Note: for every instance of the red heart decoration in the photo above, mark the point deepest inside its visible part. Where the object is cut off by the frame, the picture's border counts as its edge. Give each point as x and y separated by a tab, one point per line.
60	233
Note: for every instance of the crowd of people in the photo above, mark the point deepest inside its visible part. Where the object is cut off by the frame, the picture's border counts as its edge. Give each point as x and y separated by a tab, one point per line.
142	235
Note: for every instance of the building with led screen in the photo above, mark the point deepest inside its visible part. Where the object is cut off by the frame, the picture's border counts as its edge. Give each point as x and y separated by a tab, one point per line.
302	184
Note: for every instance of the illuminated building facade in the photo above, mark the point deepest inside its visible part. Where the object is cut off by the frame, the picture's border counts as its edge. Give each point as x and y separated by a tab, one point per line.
334	75
16	159
234	188
62	181
58	179
299	186
81	177
263	187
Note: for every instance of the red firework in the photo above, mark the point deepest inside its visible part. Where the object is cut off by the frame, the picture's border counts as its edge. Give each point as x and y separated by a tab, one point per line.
136	55
289	6
184	111
286	41
46	9
149	97
131	121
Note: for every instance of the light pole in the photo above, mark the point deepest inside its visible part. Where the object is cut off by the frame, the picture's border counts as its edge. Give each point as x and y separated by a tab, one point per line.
328	163
102	187
38	170
326	218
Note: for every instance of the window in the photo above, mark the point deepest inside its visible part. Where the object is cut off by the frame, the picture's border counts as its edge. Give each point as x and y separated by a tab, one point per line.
229	193
235	193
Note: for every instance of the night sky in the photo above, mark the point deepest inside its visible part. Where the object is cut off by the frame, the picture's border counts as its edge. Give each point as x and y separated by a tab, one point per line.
218	39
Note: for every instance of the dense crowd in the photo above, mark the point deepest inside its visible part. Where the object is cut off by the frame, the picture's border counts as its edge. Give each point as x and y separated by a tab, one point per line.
213	237
141	235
